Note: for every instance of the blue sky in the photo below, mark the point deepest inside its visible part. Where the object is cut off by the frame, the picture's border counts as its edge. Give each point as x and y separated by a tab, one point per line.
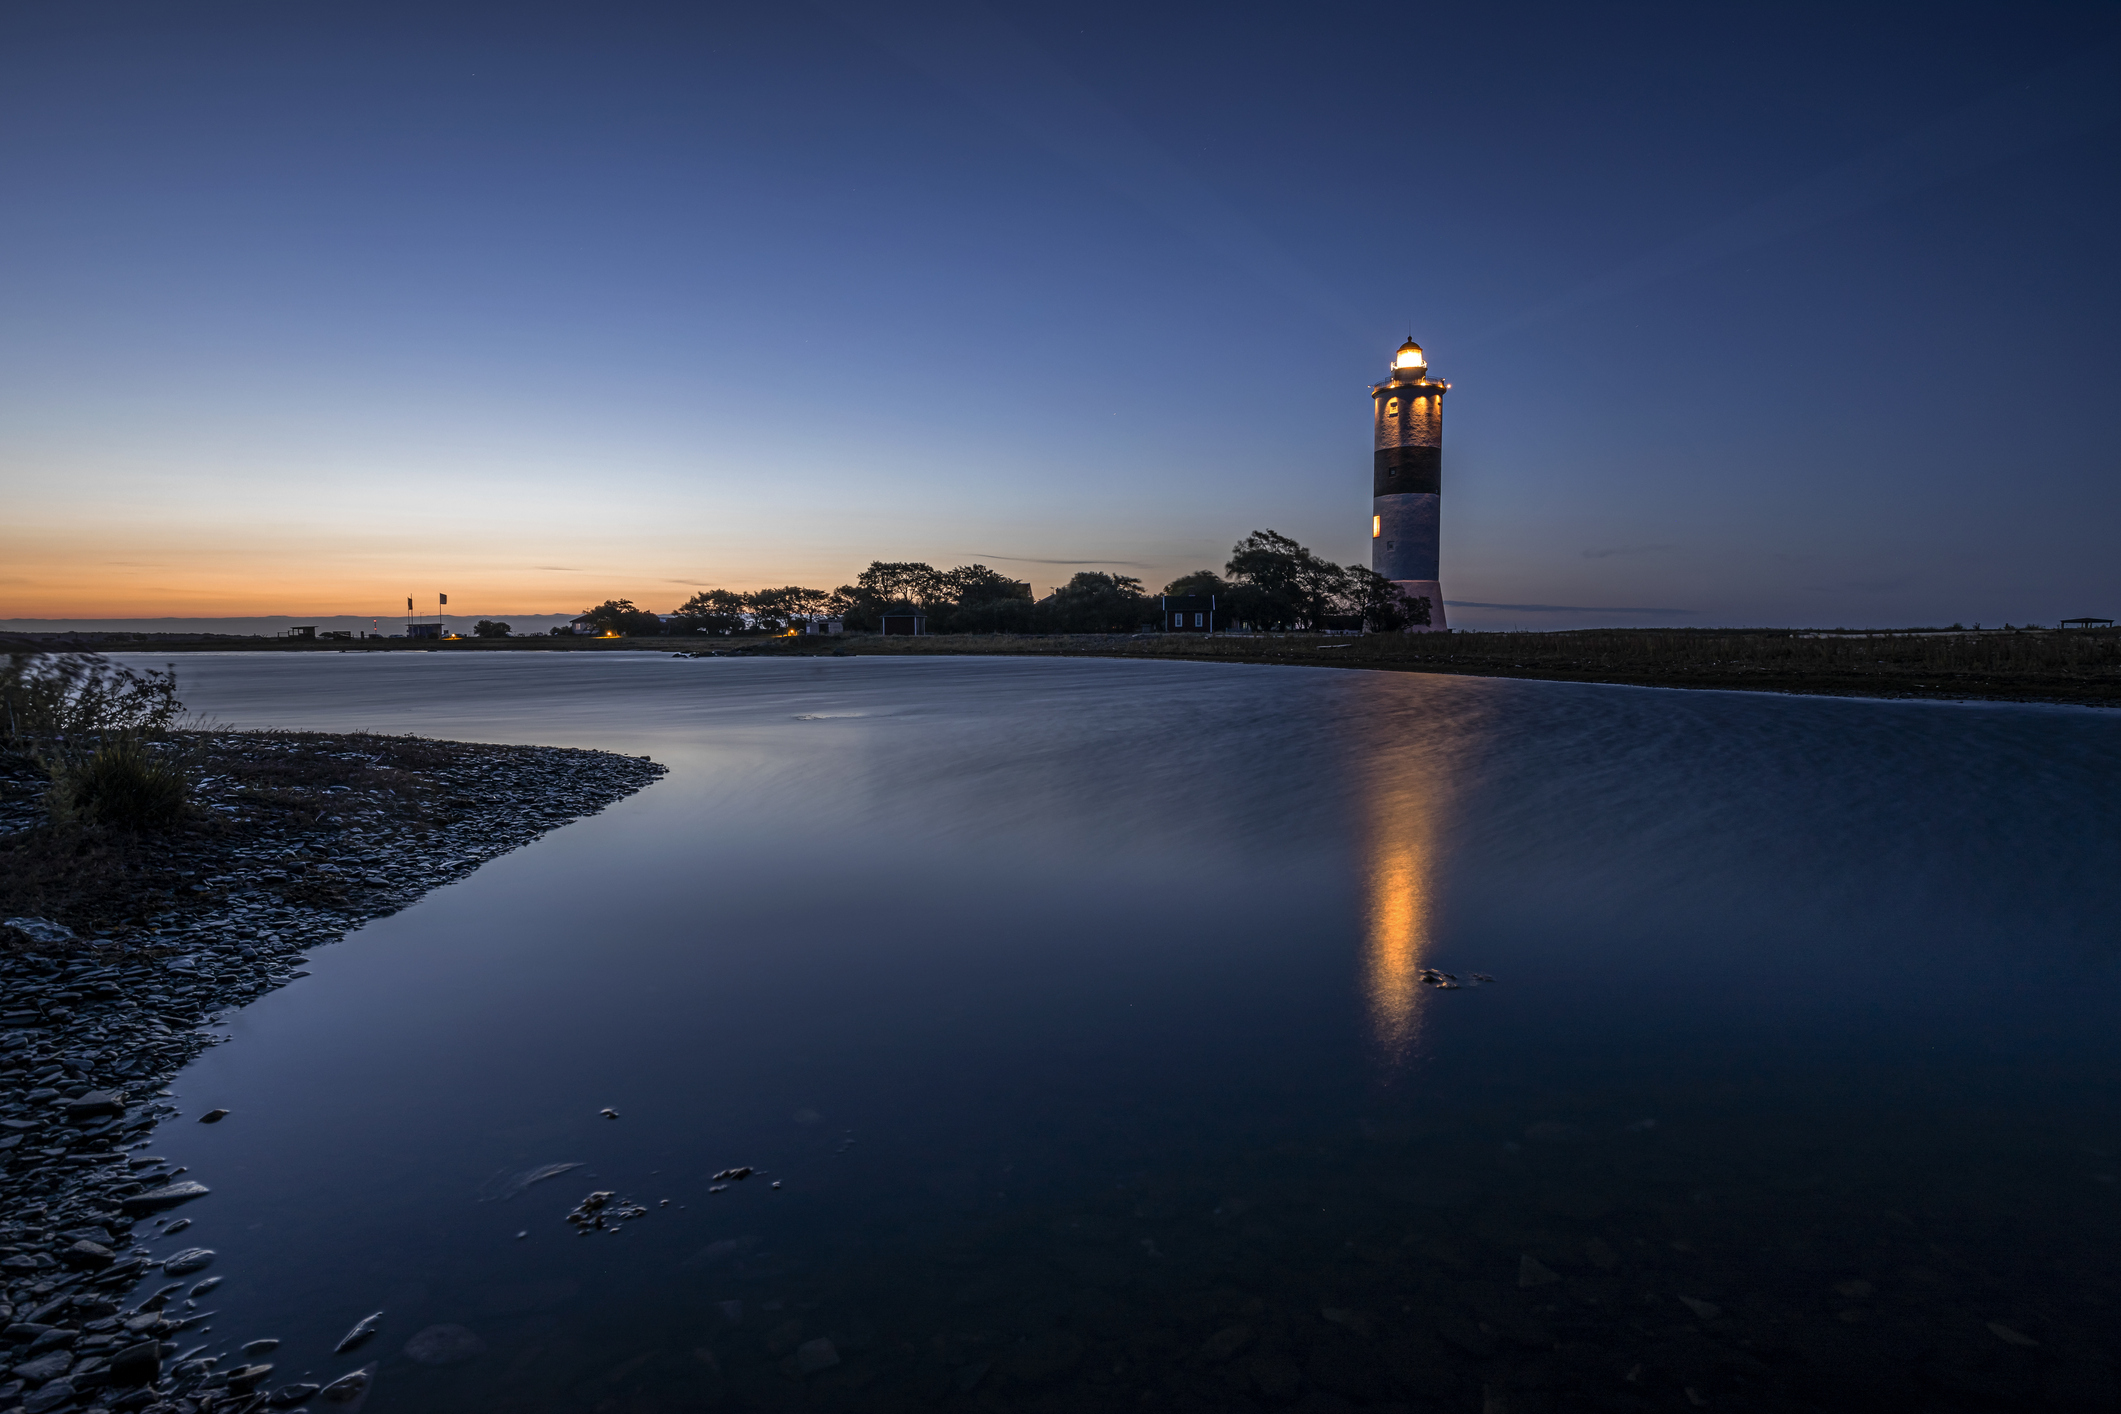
1756	315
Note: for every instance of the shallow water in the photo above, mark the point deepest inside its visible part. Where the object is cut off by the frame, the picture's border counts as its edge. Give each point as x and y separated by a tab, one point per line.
1075	1005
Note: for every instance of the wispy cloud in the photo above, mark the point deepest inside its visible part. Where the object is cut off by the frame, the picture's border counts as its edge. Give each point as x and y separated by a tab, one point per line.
1627	550
1034	560
564	569
1561	608
1862	586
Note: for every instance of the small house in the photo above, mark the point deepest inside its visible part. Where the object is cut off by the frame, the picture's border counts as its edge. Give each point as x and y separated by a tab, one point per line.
903	619
825	623
1189	613
301	630
423	630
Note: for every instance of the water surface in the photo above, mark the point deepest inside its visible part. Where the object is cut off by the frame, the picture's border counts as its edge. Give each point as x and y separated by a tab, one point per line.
1076	1006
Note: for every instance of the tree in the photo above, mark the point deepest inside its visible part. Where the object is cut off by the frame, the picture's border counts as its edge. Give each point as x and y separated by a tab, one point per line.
1093	602
1198	582
487	628
779	610
621	617
711	611
1383	605
901	582
1280	584
971	585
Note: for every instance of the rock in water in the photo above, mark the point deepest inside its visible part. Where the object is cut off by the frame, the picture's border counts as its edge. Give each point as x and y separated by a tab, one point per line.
444	1345
815	1355
288	1396
1533	1272
191	1259
503	1186
359	1335
213	1116
346	1394
154	1200
245	1378
1707	1310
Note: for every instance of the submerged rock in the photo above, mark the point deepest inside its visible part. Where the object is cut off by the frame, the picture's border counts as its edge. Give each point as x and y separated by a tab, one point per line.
1532	1272
444	1345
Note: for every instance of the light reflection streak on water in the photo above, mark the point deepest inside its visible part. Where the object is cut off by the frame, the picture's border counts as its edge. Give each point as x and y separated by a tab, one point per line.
1404	803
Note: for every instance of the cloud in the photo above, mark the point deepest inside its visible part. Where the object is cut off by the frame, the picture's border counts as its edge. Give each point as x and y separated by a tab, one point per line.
1034	560
1862	586
1627	550
564	569
1560	608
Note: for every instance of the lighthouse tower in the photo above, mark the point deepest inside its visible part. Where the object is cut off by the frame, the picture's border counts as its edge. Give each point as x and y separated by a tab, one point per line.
1407	484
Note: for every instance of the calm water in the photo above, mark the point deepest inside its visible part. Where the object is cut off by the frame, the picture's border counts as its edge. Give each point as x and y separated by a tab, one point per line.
1075	1006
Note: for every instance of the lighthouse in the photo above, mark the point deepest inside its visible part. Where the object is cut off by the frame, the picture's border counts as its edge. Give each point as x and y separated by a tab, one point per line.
1407	482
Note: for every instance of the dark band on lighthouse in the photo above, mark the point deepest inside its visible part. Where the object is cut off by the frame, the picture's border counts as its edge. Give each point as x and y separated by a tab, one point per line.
1407	479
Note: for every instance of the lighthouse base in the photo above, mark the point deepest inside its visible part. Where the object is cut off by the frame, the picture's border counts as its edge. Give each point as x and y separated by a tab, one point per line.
1432	591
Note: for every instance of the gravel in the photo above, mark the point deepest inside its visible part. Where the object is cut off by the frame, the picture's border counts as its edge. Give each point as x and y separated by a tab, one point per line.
95	1022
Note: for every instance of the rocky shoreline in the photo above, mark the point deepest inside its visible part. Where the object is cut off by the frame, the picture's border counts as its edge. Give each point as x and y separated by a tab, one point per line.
296	838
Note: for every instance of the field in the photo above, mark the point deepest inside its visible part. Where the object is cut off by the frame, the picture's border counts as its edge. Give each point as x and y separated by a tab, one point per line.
2022	665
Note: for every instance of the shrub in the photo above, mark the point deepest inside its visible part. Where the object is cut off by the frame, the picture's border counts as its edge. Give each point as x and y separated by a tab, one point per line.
126	783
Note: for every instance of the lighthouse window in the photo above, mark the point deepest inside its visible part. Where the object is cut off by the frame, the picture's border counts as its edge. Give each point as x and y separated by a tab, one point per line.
1392	408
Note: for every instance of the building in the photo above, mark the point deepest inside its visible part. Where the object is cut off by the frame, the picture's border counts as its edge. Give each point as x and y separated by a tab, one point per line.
301	630
903	619
1189	613
423	630
825	623
1406	505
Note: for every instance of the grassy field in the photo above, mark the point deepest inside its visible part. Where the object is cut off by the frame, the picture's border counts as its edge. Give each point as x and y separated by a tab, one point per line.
2025	665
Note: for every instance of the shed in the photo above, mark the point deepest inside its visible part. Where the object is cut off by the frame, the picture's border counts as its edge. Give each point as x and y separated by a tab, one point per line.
301	630
825	623
1190	613
2087	623
904	619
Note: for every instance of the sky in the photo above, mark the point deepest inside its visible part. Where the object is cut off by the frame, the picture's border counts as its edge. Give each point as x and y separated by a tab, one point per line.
1754	314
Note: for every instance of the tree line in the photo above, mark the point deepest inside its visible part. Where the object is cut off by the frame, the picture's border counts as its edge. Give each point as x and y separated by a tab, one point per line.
1269	582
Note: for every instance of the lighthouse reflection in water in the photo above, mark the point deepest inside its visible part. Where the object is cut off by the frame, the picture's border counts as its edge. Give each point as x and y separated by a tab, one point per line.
1406	795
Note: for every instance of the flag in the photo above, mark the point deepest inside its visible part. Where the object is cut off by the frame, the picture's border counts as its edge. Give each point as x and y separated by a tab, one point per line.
445	598
408	603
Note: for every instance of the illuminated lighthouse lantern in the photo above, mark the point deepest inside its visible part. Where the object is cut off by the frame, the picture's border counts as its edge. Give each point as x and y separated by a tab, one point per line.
1407	494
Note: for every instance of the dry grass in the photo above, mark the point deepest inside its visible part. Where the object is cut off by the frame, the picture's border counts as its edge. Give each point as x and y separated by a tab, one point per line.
2023	665
98	879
